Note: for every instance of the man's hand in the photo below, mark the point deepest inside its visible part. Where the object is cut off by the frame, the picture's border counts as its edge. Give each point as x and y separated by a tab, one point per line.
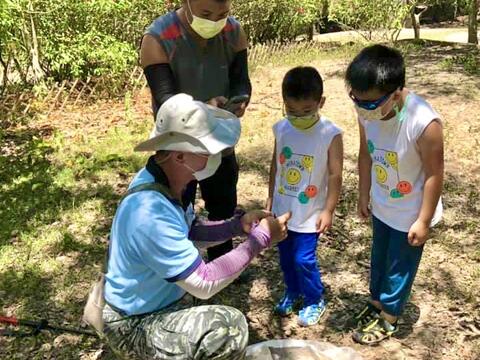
252	217
363	209
239	109
277	227
418	233
218	101
324	221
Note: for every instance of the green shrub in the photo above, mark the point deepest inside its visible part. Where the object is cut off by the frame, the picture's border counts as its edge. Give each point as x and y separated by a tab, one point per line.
470	63
370	18
282	20
76	39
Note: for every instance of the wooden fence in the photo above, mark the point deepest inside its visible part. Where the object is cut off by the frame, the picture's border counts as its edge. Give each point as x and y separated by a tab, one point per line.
57	96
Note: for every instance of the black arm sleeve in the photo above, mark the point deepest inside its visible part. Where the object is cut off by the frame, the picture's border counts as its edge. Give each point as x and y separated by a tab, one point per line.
238	75
161	81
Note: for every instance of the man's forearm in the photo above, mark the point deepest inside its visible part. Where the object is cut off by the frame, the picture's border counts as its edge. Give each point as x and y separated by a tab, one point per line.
216	231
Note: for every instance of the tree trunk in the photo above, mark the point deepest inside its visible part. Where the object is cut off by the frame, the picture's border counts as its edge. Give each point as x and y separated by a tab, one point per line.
472	22
37	69
4	78
415	14
415	24
310	32
20	70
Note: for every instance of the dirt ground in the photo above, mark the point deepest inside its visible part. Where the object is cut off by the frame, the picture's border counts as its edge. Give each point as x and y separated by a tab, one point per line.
442	321
439	320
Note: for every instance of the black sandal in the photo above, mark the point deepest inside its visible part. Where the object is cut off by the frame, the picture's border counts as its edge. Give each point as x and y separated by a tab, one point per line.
364	317
376	331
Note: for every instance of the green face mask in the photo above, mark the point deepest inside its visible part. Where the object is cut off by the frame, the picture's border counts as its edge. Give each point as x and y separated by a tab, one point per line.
303	122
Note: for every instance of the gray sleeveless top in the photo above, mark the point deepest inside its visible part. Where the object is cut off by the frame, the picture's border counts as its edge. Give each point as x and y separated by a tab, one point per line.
199	72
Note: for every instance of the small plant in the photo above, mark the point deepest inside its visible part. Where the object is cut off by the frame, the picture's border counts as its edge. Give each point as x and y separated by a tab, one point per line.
280	20
470	63
371	19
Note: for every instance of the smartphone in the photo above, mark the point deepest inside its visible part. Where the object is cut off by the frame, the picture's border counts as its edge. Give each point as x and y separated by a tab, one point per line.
232	103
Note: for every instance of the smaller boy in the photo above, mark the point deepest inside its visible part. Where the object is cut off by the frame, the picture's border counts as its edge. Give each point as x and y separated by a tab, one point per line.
305	178
401	174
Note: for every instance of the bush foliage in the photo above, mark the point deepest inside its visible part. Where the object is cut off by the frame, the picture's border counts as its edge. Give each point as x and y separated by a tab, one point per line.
68	39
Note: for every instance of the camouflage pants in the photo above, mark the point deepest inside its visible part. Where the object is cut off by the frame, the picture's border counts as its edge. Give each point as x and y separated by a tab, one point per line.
177	333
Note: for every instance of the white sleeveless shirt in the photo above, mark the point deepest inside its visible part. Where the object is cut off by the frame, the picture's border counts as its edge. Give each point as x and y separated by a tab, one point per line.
302	172
398	176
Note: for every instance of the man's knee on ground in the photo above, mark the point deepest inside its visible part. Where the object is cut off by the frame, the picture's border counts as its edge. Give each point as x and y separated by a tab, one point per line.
221	332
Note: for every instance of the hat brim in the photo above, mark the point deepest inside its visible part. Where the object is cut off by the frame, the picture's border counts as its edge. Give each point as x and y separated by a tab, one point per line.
225	135
171	141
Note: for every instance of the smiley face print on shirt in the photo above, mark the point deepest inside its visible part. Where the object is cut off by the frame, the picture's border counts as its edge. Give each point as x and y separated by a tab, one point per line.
295	175
386	172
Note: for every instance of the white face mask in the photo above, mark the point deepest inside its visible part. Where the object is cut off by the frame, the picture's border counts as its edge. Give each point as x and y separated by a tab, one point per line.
370	115
210	168
207	29
375	114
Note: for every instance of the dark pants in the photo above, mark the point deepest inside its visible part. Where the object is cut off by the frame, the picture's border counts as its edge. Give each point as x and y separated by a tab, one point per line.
298	261
394	264
220	195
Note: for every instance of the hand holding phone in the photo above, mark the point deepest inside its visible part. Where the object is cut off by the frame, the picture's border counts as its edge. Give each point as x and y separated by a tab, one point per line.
232	103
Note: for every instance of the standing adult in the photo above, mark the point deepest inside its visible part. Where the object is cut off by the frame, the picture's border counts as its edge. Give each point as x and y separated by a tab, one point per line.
200	50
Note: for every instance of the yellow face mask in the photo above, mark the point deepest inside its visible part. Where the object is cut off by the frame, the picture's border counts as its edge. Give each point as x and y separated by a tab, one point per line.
207	29
303	122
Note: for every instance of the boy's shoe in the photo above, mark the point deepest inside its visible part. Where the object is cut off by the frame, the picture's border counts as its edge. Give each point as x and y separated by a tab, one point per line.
285	305
374	332
364	317
310	315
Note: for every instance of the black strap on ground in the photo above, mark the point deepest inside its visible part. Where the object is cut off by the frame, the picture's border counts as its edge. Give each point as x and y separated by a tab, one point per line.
37	326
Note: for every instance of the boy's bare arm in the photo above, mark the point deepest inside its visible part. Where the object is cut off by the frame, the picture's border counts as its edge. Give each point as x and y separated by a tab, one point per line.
335	168
271	179
364	173
431	152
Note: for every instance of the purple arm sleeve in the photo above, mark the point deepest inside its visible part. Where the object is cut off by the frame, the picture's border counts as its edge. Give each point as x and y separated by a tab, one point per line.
209	278
216	231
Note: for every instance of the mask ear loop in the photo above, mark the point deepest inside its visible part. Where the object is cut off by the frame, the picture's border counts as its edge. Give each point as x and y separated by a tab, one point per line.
169	155
191	12
401	113
189	168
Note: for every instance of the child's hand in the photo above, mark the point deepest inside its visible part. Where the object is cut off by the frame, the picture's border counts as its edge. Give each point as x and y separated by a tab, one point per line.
268	204
276	227
363	209
324	221
252	217
418	233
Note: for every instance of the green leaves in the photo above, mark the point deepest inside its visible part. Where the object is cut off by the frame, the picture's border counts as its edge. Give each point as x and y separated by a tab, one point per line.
366	16
76	39
283	20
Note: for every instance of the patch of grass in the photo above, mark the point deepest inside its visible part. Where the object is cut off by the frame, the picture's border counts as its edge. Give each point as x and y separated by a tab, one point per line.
57	197
469	63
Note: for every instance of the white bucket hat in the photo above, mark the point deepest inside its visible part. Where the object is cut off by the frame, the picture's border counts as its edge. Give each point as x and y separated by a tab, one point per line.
183	124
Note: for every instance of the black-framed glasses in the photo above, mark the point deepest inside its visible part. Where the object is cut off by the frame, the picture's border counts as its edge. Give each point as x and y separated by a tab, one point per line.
370	104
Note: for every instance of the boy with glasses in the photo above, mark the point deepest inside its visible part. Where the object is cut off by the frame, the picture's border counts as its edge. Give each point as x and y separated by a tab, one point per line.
400	182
